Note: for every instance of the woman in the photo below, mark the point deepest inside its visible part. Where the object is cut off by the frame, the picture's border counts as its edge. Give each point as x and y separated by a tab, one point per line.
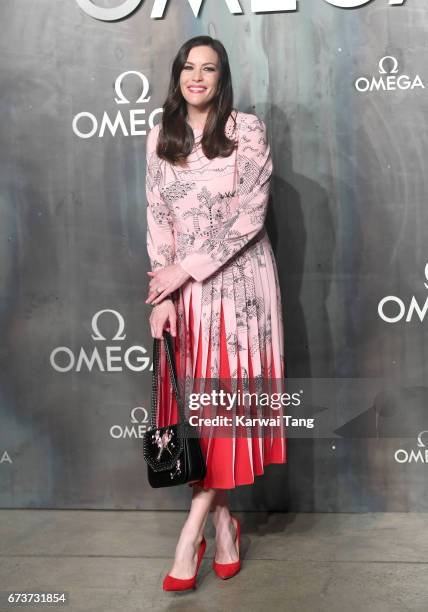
214	282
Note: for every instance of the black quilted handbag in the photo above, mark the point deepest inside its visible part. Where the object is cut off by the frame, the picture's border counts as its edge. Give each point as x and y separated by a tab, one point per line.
173	453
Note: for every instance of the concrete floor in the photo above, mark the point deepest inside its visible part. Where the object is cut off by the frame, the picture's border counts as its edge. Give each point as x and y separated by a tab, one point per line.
115	561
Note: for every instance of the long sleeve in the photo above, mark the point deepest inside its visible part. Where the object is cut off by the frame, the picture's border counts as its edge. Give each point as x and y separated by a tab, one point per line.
160	237
254	163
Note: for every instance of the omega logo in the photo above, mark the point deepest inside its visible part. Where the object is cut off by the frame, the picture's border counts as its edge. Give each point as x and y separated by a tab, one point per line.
401	308
390	82
135	118
105	358
257	6
401	455
137	429
5	458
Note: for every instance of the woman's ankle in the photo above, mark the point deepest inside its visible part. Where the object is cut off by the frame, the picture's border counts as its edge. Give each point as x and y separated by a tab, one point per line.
221	517
196	535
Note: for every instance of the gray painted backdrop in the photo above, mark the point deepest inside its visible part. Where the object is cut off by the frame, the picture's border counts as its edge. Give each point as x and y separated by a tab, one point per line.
348	221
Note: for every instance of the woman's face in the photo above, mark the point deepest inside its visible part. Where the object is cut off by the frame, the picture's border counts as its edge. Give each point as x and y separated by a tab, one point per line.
200	76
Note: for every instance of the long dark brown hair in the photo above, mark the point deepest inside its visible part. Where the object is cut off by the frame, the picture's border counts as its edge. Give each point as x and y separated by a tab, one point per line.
176	140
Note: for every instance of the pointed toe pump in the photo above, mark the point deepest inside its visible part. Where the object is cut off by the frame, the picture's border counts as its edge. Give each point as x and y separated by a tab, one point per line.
183	584
227	570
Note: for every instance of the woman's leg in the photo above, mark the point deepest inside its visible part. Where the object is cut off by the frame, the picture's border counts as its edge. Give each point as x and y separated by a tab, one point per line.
186	552
225	551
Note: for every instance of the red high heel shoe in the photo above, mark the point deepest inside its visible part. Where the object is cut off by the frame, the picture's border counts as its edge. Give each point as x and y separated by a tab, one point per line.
183	584
227	570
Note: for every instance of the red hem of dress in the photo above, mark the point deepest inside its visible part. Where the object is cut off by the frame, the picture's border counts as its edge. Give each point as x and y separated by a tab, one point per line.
240	484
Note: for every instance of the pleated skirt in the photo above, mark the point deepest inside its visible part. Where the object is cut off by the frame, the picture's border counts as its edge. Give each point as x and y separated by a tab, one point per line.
231	460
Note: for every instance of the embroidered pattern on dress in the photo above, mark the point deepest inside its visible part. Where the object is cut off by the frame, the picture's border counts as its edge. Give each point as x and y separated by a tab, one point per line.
210	208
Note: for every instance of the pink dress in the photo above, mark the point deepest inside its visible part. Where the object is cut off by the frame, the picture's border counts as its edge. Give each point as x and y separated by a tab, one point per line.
210	217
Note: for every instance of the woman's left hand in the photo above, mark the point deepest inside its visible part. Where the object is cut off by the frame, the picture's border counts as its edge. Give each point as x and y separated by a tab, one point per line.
164	281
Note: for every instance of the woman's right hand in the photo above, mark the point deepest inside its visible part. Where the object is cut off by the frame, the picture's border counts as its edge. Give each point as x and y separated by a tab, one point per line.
163	317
